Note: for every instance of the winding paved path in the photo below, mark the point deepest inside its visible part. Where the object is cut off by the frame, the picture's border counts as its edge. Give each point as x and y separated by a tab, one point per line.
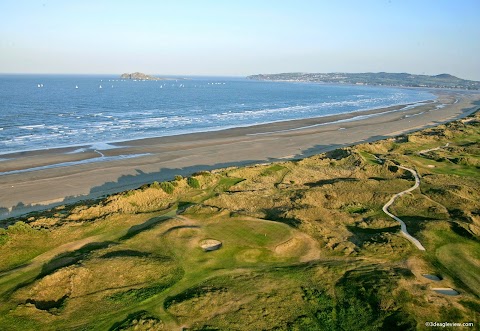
402	224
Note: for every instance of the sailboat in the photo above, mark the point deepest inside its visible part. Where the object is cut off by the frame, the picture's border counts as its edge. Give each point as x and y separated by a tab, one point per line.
100	86
76	86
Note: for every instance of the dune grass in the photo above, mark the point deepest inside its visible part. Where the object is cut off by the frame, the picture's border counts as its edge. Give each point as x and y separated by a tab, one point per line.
305	246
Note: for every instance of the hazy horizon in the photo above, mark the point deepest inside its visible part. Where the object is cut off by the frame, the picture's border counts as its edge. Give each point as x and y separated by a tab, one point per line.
116	74
239	39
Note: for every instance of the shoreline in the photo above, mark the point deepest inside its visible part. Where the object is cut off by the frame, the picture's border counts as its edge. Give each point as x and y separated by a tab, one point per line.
287	125
32	180
346	116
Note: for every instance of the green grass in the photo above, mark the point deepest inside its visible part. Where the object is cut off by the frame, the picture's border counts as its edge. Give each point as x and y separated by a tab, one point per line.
255	233
462	260
454	257
446	167
244	243
226	182
272	170
370	158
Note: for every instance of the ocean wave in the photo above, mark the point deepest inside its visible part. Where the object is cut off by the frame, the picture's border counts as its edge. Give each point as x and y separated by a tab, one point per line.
336	105
135	112
352	119
31	127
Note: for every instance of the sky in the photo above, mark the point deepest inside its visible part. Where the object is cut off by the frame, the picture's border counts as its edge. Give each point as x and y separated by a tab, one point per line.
238	38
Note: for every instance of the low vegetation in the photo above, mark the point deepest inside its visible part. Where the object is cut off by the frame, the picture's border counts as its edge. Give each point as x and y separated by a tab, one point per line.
305	246
193	182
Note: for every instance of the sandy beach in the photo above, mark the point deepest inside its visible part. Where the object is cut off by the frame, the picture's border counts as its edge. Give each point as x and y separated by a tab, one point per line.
39	179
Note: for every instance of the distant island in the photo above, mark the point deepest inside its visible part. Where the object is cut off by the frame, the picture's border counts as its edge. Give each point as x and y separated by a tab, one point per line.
140	76
378	79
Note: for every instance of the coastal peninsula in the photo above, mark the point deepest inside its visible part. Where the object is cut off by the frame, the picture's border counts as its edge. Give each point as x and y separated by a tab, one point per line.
377	79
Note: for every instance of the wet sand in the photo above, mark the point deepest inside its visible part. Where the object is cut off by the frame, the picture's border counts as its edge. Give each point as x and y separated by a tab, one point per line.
38	179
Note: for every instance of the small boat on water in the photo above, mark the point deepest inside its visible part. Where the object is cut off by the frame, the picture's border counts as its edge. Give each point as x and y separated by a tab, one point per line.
76	86
100	86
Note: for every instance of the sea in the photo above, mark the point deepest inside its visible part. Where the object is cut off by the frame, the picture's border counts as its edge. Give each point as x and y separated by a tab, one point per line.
49	111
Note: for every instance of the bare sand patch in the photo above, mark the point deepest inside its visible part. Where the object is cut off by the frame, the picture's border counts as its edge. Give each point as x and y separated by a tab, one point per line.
289	247
209	245
432	277
445	290
300	246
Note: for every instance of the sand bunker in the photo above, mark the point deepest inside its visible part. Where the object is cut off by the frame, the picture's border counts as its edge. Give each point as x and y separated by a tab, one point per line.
210	245
432	277
289	247
445	290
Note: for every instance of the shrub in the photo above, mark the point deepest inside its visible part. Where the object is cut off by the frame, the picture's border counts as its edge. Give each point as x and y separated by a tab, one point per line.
129	193
144	187
20	227
3	236
167	187
178	178
193	182
201	173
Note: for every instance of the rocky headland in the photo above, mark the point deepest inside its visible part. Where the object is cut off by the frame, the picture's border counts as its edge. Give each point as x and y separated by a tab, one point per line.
140	76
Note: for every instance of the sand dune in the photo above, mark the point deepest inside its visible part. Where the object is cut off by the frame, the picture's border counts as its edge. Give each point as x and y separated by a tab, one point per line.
34	180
